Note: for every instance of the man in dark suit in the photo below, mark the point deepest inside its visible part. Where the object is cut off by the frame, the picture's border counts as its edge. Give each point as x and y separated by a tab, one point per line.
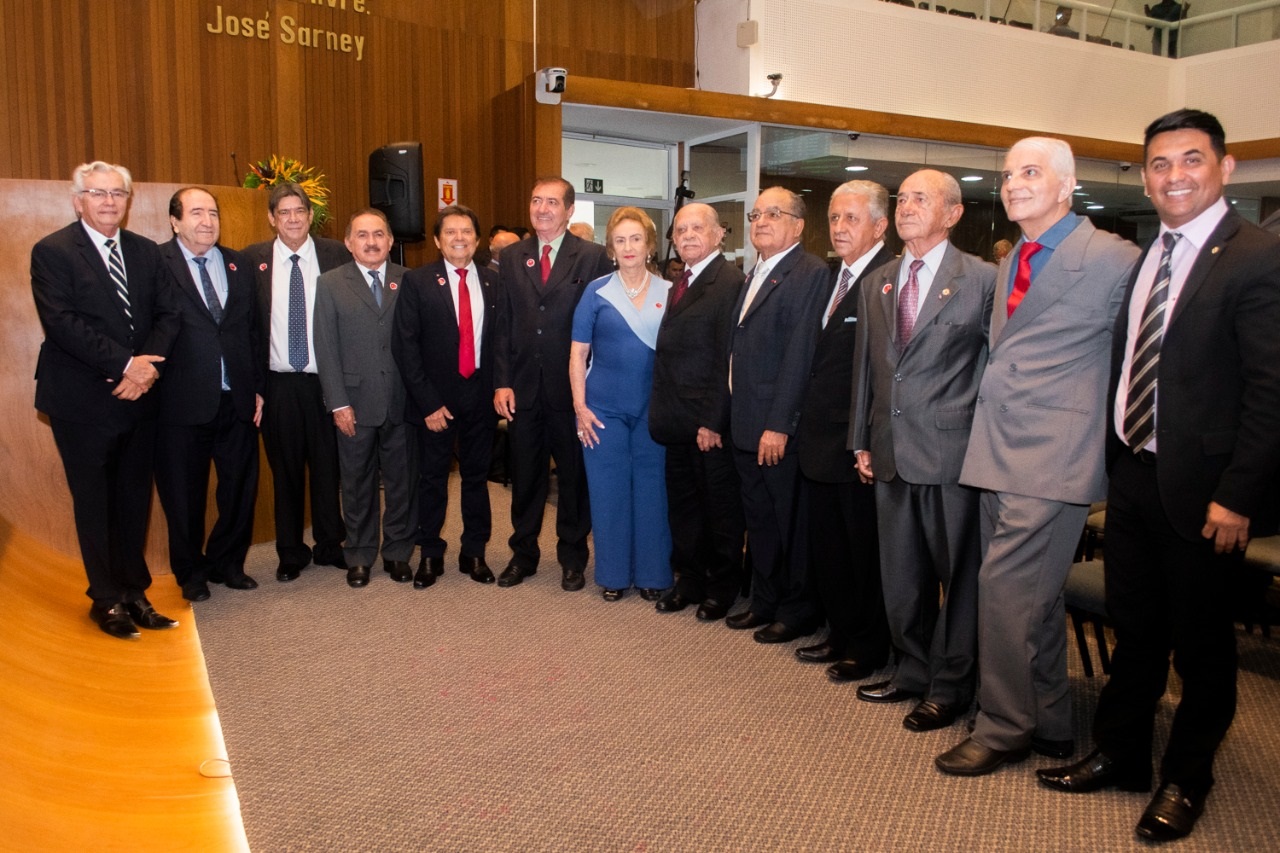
1194	448
770	353
839	510
1042	400
921	348
297	431
354	320
211	401
108	316
689	414
541	279
443	345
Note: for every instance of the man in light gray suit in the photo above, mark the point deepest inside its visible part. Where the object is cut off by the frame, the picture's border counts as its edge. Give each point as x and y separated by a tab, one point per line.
353	320
1036	451
920	349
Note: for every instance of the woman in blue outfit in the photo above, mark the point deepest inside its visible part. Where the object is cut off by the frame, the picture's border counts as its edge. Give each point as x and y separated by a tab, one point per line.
616	325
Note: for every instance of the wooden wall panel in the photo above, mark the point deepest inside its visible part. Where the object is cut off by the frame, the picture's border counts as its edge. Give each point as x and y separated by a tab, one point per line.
143	83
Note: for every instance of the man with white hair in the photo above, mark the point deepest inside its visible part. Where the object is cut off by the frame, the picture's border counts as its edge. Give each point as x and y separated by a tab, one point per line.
1036	451
109	319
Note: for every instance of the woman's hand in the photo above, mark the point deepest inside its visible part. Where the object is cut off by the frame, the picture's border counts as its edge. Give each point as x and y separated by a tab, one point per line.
588	423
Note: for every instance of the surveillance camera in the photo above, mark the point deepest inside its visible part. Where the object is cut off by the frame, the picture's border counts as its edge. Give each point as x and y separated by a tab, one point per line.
1124	167
774	78
551	85
853	137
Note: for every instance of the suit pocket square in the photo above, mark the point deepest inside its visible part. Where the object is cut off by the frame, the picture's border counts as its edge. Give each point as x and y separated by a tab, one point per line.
850	319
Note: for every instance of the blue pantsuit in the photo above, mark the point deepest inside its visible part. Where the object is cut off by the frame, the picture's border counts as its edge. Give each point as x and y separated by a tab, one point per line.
626	476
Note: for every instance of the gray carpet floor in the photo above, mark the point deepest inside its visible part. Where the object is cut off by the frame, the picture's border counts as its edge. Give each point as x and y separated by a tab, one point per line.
467	717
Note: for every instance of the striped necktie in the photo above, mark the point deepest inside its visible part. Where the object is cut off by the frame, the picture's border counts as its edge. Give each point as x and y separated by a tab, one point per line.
1140	409
115	267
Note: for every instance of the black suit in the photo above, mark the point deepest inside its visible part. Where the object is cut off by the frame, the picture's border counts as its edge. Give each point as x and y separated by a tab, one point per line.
691	390
1217	439
425	345
531	356
772	350
106	443
840	510
202	423
298	431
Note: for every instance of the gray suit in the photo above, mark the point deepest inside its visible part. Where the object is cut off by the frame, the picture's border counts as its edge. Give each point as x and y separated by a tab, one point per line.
353	354
912	410
1037	452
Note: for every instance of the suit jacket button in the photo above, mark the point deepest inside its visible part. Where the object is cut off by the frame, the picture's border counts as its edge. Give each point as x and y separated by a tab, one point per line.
895	412
1013	368
897	377
979	401
1004	408
539	331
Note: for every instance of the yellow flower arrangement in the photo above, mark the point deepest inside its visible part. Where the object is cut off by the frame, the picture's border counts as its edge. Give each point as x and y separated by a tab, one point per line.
282	170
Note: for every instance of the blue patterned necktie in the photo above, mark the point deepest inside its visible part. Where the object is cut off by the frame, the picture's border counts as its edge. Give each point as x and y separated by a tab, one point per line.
298	349
210	295
376	287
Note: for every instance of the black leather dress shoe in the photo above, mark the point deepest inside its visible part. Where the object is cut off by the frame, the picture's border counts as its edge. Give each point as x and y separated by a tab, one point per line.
850	670
712	610
672	602
398	569
195	591
358	576
513	574
241	581
886	692
114	620
970	758
928	716
477	568
1052	748
650	594
572	580
821	653
424	577
1172	813
145	616
288	572
780	632
612	594
744	620
1093	773
433	566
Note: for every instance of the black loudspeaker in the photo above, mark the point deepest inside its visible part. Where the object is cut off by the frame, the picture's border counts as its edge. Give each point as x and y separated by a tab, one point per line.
395	188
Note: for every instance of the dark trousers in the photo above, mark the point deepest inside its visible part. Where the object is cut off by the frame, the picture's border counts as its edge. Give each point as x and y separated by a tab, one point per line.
844	561
298	435
704	508
779	574
183	455
539	435
108	472
1164	594
471	431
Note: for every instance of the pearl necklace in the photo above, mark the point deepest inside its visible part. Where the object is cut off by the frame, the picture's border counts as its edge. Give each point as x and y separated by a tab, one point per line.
632	294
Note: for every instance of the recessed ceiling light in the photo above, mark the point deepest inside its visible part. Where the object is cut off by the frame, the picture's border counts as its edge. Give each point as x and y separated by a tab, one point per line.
971	178
1093	207
856	168
806	191
1079	186
1081	194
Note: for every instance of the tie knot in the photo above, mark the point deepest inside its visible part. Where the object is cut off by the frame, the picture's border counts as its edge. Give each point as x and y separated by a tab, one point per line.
200	261
916	265
1170	237
461	271
295	259
546	250
1029	248
685	278
110	244
373	274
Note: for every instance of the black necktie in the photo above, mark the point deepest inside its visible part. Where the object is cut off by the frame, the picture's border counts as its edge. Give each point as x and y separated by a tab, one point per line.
210	295
1139	410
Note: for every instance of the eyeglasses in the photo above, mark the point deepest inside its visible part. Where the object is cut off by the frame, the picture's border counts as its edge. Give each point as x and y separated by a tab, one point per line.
103	195
773	214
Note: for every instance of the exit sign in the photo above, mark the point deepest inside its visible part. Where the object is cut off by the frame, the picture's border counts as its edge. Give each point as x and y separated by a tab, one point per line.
593	185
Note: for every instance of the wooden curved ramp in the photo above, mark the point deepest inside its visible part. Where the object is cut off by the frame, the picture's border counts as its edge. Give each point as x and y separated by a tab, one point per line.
105	744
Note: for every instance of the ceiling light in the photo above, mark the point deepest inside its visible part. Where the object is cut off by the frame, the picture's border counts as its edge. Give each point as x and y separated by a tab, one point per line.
1093	207
971	178
856	168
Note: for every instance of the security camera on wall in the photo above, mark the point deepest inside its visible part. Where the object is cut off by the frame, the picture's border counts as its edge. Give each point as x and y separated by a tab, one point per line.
551	83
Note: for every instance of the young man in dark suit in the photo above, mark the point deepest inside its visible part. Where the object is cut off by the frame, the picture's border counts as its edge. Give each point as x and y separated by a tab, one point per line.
211	403
108	316
689	414
443	344
297	430
1193	452
541	279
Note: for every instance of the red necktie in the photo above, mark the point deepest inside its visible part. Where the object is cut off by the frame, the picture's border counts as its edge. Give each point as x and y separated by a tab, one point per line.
546	263
466	331
1022	280
681	286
